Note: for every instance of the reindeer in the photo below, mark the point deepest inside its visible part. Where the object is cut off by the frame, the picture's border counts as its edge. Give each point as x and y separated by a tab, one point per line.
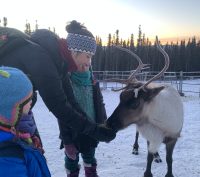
132	78
157	111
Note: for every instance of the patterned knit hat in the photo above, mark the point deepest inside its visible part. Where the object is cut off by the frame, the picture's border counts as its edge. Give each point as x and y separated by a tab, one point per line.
81	43
15	92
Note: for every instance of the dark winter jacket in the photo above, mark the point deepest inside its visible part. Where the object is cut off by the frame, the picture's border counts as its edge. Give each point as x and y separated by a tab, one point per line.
47	71
20	160
84	142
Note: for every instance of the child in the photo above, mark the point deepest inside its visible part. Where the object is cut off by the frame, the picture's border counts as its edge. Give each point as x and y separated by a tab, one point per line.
17	158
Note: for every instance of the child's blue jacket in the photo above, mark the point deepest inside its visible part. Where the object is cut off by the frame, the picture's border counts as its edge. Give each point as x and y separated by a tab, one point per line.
20	160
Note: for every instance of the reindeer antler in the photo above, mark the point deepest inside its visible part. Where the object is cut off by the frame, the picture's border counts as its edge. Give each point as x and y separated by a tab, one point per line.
132	77
140	66
160	73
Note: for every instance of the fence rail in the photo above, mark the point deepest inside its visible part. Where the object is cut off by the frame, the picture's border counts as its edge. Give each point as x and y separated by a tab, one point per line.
184	82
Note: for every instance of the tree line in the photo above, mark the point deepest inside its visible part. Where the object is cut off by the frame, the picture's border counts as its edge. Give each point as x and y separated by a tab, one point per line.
184	55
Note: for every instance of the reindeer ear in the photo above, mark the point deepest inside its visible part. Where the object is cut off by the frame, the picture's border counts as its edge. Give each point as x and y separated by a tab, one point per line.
150	93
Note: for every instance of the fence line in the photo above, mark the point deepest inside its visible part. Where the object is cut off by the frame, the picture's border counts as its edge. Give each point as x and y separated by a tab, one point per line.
184	82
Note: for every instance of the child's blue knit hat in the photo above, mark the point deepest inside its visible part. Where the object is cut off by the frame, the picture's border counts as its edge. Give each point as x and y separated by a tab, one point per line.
15	92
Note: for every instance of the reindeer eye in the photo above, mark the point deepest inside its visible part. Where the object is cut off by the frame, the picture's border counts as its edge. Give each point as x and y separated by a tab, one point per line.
134	104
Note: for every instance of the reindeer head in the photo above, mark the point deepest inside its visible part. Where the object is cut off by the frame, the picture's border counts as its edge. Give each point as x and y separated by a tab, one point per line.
136	98
131	109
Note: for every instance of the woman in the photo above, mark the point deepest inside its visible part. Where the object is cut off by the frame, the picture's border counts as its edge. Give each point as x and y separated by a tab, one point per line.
86	92
46	60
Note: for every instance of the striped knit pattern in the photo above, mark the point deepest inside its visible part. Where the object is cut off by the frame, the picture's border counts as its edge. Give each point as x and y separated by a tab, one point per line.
81	43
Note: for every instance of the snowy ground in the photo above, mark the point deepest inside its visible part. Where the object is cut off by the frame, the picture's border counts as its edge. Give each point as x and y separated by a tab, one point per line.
115	158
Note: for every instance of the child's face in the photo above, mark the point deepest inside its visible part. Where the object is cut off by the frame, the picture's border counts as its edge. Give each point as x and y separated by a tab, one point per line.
27	107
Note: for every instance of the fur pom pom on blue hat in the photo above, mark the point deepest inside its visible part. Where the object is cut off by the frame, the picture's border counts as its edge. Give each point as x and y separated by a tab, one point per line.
15	90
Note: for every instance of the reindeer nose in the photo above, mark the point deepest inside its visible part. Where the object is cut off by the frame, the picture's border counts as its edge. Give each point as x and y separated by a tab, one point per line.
111	124
107	123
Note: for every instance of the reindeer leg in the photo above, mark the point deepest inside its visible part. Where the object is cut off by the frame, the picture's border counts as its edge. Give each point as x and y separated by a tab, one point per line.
169	149
157	158
136	145
148	173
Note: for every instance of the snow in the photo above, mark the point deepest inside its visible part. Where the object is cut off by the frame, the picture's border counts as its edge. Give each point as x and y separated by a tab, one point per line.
115	159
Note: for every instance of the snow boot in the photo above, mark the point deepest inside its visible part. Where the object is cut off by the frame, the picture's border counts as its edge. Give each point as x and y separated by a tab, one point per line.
90	170
73	174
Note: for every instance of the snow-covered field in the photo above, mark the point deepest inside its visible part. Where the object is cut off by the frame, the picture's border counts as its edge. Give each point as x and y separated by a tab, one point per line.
115	158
